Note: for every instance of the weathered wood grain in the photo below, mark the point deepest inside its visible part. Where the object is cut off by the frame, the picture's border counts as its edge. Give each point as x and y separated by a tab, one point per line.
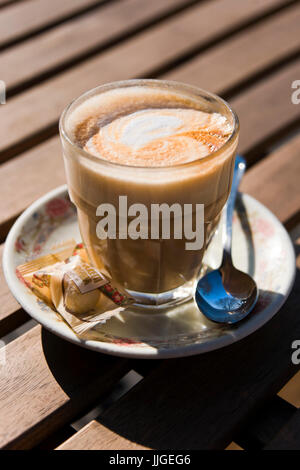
33	114
24	173
11	314
23	18
265	114
77	38
275	181
237	59
46	382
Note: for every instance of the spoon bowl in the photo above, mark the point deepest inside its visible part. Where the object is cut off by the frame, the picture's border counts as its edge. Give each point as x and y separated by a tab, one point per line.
226	296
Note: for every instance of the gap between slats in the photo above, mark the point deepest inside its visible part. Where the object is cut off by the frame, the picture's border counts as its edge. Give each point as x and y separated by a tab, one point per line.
249	68
81	53
6	3
27	10
47	382
206	46
101	29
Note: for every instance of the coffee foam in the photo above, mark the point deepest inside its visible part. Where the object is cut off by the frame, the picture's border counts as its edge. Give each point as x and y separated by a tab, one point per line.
159	137
141	126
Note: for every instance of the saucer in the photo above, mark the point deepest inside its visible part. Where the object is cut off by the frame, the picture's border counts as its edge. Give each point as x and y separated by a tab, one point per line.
261	247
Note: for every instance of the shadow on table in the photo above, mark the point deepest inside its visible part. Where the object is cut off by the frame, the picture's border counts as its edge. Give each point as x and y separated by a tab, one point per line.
77	370
189	403
164	410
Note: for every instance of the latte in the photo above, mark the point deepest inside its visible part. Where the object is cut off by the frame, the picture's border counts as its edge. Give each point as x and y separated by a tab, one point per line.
155	143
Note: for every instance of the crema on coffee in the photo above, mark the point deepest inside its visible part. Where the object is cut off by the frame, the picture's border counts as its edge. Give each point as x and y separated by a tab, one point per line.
159	137
154	144
144	127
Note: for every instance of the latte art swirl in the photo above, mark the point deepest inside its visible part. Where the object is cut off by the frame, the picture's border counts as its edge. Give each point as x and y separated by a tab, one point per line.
160	137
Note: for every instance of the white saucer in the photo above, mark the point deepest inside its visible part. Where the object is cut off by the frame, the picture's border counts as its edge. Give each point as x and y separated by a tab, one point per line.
262	248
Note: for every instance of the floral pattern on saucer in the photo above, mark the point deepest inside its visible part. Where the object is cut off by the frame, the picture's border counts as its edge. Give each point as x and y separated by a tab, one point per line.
42	224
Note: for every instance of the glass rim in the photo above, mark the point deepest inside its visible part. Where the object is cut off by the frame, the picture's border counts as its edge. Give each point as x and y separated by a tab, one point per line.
139	82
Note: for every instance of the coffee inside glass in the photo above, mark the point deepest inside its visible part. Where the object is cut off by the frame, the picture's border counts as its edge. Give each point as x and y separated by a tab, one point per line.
131	148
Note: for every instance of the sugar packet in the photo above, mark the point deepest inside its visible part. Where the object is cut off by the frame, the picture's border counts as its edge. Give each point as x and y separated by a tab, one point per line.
80	293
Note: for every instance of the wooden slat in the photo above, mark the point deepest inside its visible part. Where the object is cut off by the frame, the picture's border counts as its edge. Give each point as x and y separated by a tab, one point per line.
65	43
266	109
239	58
201	402
11	314
46	382
279	172
256	121
291	391
35	111
34	182
91	436
24	18
289	437
233	446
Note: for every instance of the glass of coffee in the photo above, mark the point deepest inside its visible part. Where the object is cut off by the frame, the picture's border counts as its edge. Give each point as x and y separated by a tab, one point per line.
149	165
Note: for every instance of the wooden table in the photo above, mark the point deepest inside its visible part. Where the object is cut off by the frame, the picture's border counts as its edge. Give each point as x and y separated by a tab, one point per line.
50	52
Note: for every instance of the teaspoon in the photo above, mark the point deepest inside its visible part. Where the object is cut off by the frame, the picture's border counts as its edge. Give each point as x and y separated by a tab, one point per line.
227	295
